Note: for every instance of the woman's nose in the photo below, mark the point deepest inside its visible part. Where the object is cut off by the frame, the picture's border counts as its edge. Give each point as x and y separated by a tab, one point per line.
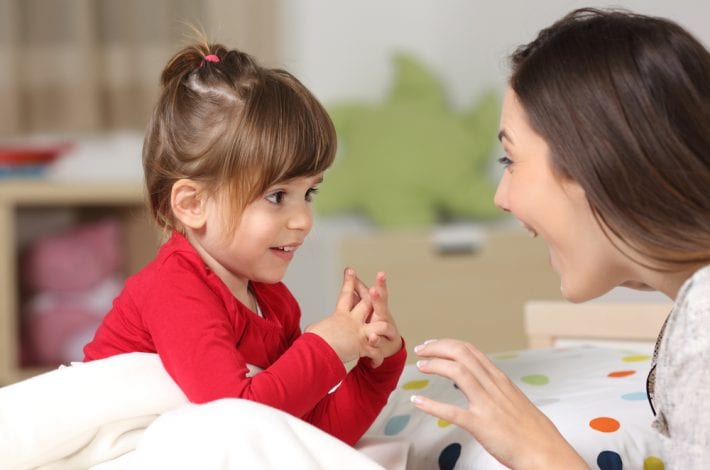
501	197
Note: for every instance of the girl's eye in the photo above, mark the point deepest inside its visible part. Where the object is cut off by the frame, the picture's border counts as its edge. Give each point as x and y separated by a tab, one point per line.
310	193
276	198
505	161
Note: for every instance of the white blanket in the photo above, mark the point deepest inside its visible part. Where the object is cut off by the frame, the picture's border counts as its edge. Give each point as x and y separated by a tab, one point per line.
102	415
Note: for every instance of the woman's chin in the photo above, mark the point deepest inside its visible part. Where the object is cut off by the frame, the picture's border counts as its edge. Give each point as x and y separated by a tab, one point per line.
578	294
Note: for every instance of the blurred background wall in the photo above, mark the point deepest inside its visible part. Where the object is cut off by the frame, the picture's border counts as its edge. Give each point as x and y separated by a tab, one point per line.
93	65
88	71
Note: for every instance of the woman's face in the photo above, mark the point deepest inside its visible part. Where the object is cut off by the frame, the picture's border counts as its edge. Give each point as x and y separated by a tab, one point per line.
556	209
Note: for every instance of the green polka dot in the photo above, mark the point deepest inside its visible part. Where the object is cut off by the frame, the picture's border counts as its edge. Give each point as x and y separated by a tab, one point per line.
653	463
415	384
535	379
636	358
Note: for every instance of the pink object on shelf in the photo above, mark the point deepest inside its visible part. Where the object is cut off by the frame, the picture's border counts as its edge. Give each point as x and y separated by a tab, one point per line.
74	260
56	336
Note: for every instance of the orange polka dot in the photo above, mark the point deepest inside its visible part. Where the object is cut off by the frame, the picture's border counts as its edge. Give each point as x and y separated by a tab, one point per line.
621	373
604	424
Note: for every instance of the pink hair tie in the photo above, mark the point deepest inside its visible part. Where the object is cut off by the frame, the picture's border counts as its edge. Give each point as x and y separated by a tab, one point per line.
212	58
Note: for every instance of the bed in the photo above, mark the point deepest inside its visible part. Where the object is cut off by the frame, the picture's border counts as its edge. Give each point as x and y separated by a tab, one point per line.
585	368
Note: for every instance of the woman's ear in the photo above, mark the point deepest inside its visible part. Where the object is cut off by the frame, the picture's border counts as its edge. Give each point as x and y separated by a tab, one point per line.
187	201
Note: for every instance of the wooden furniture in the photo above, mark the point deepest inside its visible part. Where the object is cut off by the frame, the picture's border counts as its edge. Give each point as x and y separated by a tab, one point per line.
549	322
477	296
21	199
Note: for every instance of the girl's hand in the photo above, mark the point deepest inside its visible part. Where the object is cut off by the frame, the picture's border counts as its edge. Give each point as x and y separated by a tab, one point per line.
499	416
348	330
390	343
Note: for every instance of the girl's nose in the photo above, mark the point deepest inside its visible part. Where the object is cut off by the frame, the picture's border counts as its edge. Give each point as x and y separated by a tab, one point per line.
301	218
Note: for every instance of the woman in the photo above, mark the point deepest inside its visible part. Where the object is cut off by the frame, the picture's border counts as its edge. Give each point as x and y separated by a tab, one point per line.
606	131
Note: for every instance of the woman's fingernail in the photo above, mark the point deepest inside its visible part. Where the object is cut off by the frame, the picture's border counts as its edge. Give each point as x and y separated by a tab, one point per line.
421	346
421	363
416	399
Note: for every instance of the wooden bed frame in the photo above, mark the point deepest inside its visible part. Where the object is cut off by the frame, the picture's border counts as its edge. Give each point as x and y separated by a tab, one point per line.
549	323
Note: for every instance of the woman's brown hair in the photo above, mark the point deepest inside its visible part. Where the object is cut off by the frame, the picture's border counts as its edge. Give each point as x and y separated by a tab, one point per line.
623	101
230	123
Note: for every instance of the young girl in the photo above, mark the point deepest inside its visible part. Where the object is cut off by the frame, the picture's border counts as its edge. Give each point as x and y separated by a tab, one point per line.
232	157
606	131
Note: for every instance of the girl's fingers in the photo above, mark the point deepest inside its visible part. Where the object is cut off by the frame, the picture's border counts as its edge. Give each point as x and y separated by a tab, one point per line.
347	291
373	340
381	328
381	285
376	357
361	289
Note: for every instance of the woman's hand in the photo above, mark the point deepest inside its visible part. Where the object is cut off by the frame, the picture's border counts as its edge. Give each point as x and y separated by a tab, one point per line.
499	416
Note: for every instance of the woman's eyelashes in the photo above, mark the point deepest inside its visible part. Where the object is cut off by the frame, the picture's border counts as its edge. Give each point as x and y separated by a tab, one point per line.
505	161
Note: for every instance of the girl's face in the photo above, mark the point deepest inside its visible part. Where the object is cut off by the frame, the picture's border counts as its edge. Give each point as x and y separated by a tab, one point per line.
268	233
556	209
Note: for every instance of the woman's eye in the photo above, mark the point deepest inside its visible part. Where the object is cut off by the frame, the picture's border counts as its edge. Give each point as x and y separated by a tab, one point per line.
275	198
505	161
310	193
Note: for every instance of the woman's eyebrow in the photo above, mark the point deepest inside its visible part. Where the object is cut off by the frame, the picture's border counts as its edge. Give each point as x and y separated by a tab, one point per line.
503	135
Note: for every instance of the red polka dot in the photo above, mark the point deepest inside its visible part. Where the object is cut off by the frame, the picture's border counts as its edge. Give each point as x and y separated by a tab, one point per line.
604	424
621	373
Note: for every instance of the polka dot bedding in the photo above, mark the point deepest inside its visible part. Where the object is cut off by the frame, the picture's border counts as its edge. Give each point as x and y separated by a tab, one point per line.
595	396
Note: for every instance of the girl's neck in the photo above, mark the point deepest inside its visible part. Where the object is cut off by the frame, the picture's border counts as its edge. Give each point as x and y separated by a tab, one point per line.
239	287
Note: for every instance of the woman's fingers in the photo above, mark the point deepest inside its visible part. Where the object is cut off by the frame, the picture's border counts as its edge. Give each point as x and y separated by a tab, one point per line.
463	363
450	413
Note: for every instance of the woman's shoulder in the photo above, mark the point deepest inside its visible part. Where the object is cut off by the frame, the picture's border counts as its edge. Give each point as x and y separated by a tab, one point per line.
691	313
695	293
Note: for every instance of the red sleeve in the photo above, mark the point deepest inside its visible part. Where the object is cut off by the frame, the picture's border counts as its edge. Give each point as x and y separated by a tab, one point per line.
350	410
196	339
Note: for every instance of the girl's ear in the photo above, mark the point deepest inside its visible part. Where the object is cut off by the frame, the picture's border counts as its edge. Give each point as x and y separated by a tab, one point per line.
188	203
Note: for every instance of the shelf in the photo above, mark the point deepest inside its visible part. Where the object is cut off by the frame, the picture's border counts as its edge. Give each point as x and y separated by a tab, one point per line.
123	200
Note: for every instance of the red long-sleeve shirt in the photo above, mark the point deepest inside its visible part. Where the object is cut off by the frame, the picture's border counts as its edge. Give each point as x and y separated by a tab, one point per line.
176	306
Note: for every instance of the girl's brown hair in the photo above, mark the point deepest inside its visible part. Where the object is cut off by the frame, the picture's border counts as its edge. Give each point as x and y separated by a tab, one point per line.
623	100
230	123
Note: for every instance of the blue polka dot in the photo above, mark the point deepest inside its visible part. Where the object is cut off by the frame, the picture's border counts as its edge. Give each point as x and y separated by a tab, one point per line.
449	456
609	460
635	396
396	424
